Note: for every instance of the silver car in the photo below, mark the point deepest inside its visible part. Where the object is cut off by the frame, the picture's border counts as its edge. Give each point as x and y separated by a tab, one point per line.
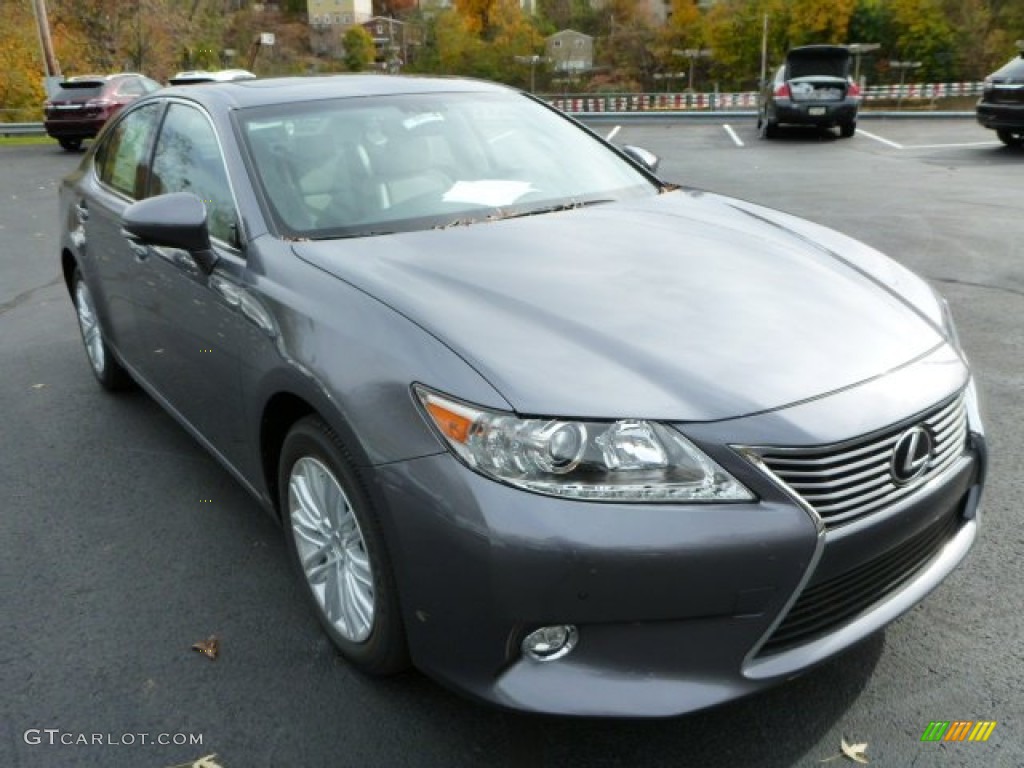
564	436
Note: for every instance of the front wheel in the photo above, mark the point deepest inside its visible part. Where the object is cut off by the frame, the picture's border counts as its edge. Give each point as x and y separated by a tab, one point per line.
337	544
107	370
1011	138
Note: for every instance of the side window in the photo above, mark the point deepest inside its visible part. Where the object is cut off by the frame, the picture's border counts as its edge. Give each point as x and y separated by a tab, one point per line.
188	159
121	159
131	88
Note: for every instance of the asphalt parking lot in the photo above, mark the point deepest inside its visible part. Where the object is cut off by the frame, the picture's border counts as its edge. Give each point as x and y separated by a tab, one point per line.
122	543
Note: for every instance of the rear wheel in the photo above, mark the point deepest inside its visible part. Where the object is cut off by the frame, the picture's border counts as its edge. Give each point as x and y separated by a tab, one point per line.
338	546
108	371
846	130
767	129
1011	138
71	145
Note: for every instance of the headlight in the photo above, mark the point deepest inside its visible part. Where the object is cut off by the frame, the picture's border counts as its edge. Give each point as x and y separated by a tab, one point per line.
628	460
948	326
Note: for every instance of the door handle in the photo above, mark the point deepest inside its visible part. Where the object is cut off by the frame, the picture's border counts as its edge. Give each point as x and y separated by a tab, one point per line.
140	250
82	212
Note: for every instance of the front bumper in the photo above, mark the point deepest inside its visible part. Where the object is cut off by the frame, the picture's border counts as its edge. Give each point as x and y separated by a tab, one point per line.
673	603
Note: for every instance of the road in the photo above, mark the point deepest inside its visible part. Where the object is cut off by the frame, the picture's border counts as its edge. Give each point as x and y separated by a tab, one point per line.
122	543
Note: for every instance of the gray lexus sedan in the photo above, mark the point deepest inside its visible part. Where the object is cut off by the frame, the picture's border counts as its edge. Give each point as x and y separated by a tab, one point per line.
564	436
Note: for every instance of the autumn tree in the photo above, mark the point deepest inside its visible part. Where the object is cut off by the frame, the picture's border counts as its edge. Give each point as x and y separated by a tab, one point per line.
683	31
359	50
21	79
924	34
476	14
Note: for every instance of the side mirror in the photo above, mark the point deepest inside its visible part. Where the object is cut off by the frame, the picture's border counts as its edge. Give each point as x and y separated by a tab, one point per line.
647	159
175	220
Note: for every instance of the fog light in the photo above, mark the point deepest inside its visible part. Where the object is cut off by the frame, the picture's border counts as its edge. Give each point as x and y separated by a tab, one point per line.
550	643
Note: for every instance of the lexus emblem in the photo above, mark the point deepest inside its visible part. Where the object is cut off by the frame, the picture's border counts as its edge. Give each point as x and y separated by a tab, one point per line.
910	455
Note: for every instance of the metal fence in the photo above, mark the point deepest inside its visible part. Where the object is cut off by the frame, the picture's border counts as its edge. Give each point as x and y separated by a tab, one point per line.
670	102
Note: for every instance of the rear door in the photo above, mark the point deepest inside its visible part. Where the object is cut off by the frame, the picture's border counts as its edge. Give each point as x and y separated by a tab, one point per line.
120	166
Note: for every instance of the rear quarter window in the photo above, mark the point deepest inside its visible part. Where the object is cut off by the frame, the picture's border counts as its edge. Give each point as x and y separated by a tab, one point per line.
1013	69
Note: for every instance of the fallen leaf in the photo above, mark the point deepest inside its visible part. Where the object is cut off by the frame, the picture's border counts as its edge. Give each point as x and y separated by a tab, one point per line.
855	751
208	647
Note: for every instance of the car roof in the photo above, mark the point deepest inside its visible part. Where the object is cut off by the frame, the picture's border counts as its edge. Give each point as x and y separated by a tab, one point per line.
206	76
241	94
100	78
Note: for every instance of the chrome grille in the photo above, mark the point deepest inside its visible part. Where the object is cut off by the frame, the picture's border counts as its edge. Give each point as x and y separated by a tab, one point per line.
849	480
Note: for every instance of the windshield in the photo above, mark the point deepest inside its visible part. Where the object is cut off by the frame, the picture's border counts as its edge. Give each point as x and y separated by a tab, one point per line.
364	166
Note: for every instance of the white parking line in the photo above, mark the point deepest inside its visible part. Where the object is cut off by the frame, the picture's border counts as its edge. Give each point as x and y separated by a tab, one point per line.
954	146
862	132
612	133
733	136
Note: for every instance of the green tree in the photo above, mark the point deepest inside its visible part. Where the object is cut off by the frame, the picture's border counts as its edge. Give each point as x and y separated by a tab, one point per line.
924	34
359	50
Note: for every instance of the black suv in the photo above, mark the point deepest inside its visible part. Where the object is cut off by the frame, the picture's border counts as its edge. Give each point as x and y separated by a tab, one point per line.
813	87
1001	106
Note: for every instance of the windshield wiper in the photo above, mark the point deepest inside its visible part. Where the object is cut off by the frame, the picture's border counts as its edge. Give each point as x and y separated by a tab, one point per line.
571	205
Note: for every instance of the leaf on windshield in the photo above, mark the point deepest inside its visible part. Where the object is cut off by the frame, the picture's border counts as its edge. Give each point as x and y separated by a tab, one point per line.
208	647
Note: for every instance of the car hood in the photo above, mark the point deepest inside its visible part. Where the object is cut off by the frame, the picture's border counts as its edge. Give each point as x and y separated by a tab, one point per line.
684	307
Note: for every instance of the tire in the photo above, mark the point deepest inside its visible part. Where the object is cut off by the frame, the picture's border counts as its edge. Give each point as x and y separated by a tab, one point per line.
104	365
1011	138
769	130
336	543
846	130
71	145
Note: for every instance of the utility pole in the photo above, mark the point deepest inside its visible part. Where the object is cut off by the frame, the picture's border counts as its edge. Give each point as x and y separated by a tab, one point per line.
764	52
45	41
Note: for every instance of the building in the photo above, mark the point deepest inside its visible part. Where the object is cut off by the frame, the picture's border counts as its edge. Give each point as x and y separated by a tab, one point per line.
659	10
395	41
338	13
569	52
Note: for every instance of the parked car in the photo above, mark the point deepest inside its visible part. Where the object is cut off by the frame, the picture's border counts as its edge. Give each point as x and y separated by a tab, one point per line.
1001	106
814	88
567	437
204	76
81	105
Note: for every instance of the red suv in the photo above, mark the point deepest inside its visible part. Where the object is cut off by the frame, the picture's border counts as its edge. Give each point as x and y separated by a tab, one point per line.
81	105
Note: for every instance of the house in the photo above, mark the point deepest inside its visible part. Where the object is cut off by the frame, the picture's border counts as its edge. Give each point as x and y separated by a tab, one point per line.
394	40
338	13
569	51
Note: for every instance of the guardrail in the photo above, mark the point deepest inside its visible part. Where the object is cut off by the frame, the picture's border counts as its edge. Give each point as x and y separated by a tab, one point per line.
22	129
670	102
